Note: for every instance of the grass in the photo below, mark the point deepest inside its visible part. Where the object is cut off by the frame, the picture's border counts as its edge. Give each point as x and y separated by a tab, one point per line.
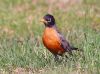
21	48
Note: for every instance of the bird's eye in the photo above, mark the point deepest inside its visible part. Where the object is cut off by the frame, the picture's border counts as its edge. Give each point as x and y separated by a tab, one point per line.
49	20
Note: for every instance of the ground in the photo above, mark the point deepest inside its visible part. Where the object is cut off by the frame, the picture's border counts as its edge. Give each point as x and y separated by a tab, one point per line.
21	47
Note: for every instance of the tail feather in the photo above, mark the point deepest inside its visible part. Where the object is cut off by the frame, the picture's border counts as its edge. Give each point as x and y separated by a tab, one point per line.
77	49
74	48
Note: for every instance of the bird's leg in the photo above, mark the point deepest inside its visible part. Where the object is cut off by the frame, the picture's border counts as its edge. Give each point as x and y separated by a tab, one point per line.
56	58
70	52
64	57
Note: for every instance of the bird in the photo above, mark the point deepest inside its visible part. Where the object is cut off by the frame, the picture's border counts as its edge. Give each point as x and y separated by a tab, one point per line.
53	40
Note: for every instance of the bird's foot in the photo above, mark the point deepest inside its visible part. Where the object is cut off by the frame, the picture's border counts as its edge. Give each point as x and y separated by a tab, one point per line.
56	58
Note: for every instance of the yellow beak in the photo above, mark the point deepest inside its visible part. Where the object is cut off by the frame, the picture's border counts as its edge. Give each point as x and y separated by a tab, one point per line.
43	20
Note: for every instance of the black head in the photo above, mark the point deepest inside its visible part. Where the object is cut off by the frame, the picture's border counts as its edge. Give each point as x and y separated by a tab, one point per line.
48	20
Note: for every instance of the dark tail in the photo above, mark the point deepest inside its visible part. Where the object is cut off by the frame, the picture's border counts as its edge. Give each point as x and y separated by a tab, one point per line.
77	49
74	48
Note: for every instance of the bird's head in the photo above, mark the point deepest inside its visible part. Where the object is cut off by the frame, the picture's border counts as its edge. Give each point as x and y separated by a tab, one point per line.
48	20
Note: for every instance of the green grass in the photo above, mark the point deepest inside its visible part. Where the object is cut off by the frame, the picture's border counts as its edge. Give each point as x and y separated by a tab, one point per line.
20	37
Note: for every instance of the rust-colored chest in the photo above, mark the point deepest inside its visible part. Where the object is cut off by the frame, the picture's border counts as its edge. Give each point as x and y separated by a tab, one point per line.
52	41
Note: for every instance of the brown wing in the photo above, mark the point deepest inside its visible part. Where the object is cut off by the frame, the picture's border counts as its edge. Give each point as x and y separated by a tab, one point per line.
65	45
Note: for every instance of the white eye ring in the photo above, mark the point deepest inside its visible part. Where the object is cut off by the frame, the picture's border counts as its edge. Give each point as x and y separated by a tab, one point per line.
49	20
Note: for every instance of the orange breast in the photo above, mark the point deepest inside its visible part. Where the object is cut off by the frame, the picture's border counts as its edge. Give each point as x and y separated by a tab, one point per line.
51	41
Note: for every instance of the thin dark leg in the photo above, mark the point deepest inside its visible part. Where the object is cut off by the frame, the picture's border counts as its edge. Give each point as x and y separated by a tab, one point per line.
70	52
64	57
56	58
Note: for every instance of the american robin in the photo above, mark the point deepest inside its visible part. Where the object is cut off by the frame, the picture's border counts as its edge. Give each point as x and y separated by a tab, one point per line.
53	40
